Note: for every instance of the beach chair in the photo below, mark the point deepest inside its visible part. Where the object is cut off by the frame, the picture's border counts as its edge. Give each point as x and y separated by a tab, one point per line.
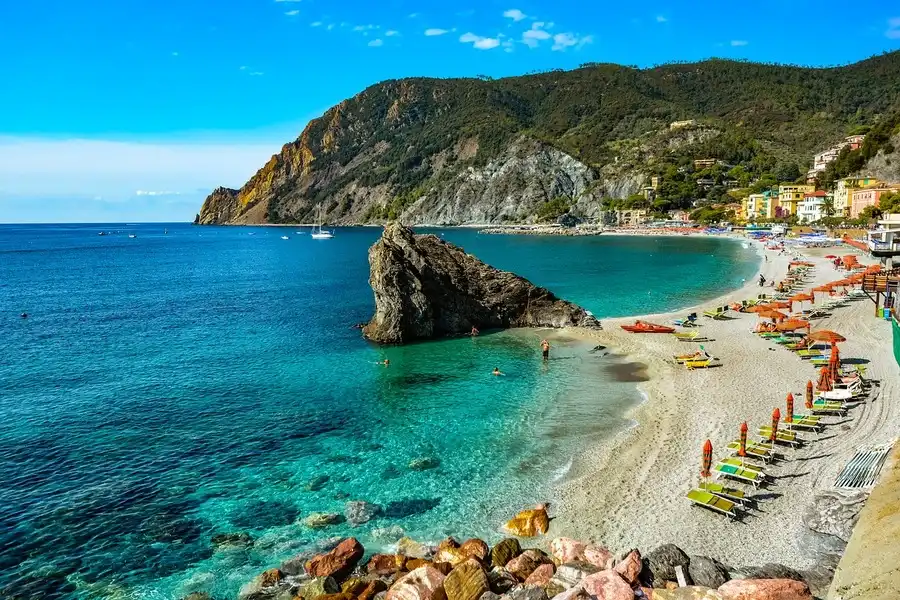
754	450
716	313
681	359
737	462
698	364
805	422
754	478
842	394
809	353
688	321
785	437
692	336
735	495
828	407
713	502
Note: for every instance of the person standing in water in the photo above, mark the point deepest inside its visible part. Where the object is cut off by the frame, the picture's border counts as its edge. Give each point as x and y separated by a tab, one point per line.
545	349
474	331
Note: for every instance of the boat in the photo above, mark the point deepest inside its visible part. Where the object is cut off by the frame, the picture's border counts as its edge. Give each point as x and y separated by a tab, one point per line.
102	233
284	237
645	327
132	235
317	232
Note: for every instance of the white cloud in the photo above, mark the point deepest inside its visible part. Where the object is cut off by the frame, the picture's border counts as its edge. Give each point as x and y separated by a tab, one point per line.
255	73
292	13
564	41
376	43
479	42
433	32
893	31
739	43
535	35
316	24
661	19
153	193
330	26
391	33
515	14
508	46
243	68
413	15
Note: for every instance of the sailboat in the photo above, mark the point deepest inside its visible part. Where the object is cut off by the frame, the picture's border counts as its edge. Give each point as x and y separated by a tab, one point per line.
318	233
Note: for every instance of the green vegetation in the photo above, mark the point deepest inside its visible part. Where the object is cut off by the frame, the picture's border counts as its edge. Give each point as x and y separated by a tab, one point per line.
549	211
889	202
850	162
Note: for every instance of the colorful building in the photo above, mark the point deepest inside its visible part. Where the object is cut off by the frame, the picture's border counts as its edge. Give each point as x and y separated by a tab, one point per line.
754	207
862	198
813	207
791	196
844	190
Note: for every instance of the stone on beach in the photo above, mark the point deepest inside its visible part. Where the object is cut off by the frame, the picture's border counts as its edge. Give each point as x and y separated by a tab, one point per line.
339	562
708	572
524	565
691	592
467	581
566	549
630	567
659	565
386	564
607	585
412	548
526	592
765	589
501	580
319	586
504	551
256	587
570	574
529	523
475	548
541	576
576	593
358	512
598	556
424	583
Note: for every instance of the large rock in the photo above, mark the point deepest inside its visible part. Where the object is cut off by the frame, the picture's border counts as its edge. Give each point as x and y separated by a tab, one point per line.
576	593
524	565
467	581
773	571
427	288
386	564
261	584
501	580
541	576
319	586
529	523
413	549
475	548
598	556
690	592
504	551
708	572
526	592
296	565
320	520
358	512
570	574
659	565
567	550
424	583
765	589
630	567
375	587
607	585
339	562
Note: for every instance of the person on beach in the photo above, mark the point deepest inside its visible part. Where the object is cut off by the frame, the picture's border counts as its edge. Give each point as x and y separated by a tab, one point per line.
545	349
474	331
496	372
762	280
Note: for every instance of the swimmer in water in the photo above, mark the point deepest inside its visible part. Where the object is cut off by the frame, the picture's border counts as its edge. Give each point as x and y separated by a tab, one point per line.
497	372
474	331
24	315
545	349
386	362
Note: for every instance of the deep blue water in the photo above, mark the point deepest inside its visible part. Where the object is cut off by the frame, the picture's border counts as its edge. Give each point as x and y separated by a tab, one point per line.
170	387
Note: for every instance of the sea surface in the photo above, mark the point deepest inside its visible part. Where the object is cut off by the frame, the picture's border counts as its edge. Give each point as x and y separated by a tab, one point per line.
189	382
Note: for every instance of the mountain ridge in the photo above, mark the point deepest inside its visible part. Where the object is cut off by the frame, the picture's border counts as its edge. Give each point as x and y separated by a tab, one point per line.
460	150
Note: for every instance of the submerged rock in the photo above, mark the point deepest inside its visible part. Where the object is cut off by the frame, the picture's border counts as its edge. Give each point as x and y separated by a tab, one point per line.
358	512
239	539
316	483
320	520
424	463
427	288
413	549
265	581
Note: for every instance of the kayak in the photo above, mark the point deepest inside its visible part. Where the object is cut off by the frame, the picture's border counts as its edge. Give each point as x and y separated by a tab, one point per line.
644	327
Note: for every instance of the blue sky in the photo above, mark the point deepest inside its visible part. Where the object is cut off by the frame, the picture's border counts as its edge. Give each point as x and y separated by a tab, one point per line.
135	110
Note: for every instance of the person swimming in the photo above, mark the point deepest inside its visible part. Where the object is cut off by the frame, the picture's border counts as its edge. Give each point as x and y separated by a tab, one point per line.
496	372
474	331
545	349
386	362
24	315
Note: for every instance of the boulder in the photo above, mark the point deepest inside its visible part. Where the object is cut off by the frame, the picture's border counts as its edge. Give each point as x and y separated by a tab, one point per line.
490	596
467	581
316	483
501	580
607	585
630	567
426	288
415	563
385	564
773	571
320	520
504	551
598	556
388	534
523	565
541	576
425	583
708	572
570	574
296	565
425	463
659	565
358	512
576	593
338	596
412	548
691	592
354	585
567	550
526	592
374	587
529	523
237	540
260	584
339	562
319	586
765	589
475	548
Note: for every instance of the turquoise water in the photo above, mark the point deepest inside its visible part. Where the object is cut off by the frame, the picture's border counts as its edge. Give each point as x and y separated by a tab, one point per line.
171	387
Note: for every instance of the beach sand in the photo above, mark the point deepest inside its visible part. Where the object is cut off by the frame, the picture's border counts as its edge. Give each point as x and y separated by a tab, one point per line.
629	491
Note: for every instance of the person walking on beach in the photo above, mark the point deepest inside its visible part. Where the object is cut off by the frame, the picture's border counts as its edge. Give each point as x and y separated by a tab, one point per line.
545	349
762	280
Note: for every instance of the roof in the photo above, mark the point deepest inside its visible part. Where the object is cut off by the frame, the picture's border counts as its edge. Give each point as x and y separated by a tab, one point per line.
816	194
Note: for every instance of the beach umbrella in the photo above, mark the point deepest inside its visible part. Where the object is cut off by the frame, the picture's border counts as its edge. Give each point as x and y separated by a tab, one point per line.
789	416
809	394
826	335
777	305
873	269
771	313
824	384
776	417
802	298
758	308
823	288
706	466
742	450
834	363
792	325
831	256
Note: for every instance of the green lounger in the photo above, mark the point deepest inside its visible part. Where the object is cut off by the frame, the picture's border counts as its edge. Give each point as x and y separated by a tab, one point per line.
757	451
834	407
805	422
810	353
711	501
785	437
735	495
744	475
737	462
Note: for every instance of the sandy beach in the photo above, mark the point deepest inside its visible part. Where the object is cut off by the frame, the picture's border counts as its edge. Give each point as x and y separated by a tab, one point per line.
629	491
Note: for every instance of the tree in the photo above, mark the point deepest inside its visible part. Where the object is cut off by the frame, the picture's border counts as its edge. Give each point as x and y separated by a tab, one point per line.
787	172
868	214
828	206
889	202
552	209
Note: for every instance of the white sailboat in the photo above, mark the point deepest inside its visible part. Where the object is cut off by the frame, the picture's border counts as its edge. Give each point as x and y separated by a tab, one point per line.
318	233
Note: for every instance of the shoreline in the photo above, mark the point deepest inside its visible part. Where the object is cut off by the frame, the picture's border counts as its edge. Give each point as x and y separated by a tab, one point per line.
629	490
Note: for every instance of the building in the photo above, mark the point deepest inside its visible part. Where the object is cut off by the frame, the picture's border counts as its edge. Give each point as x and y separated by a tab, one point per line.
680	215
855	141
813	207
705	163
631	217
705	183
845	188
864	197
754	207
791	196
884	242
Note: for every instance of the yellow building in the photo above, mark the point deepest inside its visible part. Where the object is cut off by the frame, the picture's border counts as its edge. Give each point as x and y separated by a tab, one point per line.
791	196
843	193
754	206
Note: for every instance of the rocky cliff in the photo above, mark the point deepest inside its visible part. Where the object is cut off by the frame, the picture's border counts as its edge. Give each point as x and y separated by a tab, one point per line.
426	288
457	151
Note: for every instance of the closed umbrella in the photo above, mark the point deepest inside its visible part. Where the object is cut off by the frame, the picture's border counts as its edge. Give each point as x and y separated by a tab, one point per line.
706	467
776	417
809	394
834	363
742	451
824	384
771	313
789	417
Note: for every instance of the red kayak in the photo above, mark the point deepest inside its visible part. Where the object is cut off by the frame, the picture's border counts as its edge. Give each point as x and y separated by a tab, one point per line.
644	327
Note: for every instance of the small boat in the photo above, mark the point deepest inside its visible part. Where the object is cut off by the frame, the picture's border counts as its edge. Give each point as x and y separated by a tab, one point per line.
645	327
284	237
132	236
102	233
318	233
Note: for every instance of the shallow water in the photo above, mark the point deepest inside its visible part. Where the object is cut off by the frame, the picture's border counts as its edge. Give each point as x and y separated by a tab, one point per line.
175	386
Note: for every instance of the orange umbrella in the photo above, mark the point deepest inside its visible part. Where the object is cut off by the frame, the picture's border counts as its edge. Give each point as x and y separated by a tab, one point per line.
834	363
824	384
706	467
873	269
771	313
825	335
809	394
824	288
742	451
777	305
776	417
758	308
840	283
789	417
792	325
803	298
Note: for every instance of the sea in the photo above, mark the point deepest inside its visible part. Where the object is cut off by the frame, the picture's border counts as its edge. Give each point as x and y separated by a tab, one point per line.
180	399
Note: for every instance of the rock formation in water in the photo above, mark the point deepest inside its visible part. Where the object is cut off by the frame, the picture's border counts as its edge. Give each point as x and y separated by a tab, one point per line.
427	288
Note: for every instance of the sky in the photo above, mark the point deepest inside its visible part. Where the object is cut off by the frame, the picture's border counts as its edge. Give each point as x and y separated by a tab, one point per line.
137	109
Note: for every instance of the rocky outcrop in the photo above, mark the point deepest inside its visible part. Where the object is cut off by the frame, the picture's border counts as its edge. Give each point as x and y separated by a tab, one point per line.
427	288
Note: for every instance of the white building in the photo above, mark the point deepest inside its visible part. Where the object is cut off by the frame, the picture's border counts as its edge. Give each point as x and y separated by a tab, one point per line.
812	207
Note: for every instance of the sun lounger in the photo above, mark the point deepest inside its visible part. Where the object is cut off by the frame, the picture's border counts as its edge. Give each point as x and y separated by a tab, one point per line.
688	357
715	313
737	462
755	478
754	450
733	494
688	321
805	422
810	353
842	394
828	408
690	336
698	364
713	502
784	437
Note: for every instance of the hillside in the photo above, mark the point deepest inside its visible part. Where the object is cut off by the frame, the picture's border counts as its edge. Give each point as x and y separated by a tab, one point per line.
487	151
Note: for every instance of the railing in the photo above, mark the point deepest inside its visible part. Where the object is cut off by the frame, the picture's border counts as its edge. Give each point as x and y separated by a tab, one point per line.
878	282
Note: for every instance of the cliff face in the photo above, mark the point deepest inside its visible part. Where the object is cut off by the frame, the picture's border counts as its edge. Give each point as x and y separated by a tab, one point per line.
457	151
426	288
